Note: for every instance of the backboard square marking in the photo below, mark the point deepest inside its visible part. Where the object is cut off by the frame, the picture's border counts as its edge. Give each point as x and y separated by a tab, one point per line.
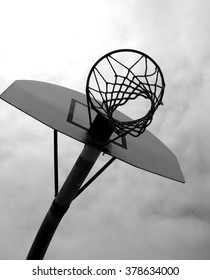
76	110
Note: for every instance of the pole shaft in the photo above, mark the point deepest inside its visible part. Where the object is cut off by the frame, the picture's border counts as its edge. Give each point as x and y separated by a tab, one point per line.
62	201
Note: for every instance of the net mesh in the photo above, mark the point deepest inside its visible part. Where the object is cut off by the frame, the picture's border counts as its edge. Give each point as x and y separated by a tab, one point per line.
122	76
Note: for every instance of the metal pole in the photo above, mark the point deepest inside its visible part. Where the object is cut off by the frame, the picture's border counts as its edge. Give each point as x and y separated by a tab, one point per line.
56	161
62	201
99	133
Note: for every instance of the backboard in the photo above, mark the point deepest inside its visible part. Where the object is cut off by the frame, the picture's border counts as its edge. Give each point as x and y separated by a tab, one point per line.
65	110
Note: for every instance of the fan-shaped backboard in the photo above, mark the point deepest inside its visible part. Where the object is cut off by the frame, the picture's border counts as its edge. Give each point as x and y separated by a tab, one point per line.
66	110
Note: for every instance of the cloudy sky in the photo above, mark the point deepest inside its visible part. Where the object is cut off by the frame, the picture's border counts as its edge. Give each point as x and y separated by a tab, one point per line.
127	213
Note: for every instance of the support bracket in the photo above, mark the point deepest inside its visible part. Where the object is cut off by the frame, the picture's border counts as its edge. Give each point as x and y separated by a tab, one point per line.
56	169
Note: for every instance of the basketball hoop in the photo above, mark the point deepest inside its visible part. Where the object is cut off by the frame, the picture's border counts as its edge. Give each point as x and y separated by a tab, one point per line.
118	77
114	80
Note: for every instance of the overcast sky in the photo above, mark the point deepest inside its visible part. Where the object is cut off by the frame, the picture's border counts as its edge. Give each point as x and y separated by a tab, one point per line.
127	213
